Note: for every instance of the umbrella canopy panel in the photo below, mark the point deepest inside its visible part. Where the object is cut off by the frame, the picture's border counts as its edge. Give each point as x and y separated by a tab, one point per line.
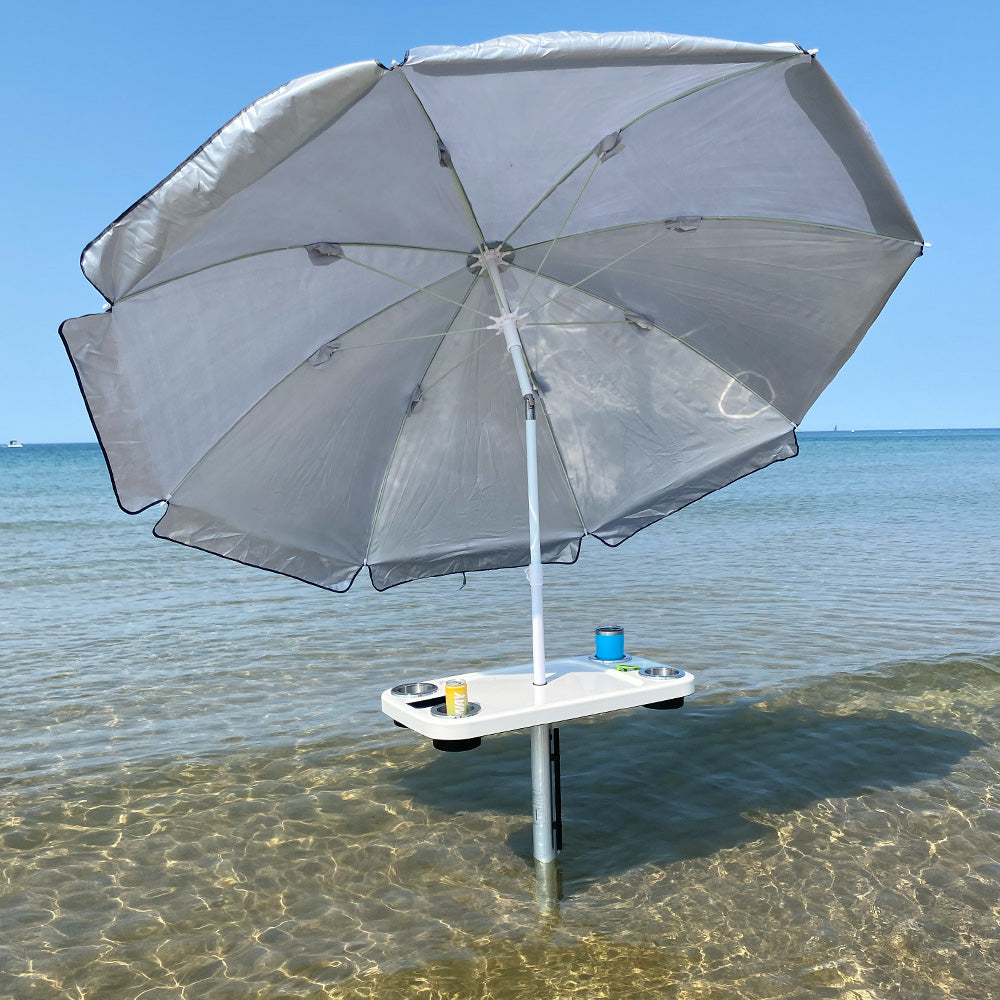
300	355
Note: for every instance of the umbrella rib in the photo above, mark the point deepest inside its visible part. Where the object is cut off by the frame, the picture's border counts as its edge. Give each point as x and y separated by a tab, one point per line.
477	230
464	253
805	223
714	83
455	367
583	322
565	222
673	336
402	423
548	194
419	336
264	253
341	347
603	267
678	97
598	232
392	305
562	463
628	253
410	284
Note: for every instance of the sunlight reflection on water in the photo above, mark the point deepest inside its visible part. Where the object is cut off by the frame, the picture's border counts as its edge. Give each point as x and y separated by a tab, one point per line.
201	798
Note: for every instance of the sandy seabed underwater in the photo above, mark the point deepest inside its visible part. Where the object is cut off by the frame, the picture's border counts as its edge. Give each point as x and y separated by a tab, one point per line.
200	797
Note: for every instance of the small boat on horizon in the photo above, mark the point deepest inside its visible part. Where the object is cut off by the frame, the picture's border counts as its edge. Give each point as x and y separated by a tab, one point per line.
14	444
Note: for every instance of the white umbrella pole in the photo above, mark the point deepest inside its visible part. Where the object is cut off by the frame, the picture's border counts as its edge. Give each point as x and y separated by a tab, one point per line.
541	761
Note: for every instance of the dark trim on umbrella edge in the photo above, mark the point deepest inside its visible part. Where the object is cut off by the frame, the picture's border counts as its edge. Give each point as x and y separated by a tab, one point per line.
93	422
760	468
180	166
433	576
380	590
242	562
495	569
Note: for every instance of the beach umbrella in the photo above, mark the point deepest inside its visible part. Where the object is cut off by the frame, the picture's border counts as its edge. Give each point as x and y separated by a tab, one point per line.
457	313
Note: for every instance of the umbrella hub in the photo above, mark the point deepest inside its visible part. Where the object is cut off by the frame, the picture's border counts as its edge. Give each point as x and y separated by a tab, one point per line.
501	254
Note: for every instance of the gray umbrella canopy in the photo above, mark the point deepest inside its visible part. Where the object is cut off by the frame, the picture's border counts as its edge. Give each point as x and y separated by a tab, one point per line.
301	358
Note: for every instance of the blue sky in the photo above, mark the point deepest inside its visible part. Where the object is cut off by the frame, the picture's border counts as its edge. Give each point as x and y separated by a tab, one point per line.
105	99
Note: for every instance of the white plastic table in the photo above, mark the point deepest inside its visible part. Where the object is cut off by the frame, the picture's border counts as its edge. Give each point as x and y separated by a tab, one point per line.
505	699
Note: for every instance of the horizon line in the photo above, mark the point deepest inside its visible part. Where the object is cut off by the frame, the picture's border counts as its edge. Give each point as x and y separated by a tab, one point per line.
798	430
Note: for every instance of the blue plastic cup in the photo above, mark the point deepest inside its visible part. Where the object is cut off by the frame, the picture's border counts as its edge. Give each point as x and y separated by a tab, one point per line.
610	642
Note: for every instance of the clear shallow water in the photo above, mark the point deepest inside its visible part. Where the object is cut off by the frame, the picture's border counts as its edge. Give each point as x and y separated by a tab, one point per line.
200	798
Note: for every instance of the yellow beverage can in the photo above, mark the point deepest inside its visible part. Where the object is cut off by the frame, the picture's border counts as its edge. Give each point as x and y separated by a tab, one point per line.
456	697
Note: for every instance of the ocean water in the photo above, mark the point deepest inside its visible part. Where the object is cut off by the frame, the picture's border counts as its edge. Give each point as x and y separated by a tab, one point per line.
200	798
